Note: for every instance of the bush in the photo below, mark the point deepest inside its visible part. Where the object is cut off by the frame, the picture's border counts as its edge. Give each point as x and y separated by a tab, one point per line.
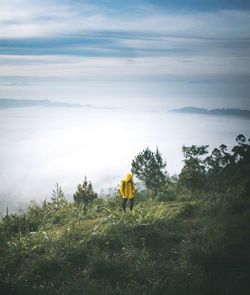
167	196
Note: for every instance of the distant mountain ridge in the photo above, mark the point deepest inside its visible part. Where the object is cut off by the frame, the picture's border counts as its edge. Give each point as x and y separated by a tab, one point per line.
218	112
20	103
7	103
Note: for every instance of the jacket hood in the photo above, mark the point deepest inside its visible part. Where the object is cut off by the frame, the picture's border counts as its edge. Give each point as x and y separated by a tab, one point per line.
129	177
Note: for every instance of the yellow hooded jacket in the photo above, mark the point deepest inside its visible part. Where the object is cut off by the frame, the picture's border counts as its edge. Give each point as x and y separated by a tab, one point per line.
127	187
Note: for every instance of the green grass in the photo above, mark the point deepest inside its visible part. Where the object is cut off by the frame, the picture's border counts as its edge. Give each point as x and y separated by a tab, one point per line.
160	248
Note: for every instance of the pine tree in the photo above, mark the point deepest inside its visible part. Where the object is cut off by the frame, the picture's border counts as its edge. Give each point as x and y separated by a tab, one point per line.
149	167
84	193
58	198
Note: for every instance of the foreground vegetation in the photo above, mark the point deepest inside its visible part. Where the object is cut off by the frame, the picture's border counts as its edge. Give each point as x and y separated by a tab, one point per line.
180	239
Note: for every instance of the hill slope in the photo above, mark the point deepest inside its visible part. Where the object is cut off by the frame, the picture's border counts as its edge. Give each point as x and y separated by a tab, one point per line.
193	247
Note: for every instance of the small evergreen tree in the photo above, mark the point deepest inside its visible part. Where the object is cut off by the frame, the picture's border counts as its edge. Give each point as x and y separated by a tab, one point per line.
58	198
149	168
84	193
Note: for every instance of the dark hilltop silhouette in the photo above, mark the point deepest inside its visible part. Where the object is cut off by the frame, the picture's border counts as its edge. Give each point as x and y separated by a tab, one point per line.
217	112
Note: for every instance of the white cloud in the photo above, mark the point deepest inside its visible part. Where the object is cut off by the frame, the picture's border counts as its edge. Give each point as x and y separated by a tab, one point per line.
26	18
110	67
156	43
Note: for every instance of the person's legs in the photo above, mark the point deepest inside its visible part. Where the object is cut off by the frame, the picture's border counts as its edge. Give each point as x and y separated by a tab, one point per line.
124	203
131	204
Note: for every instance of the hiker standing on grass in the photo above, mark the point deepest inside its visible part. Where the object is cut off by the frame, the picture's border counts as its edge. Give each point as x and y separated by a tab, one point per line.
127	191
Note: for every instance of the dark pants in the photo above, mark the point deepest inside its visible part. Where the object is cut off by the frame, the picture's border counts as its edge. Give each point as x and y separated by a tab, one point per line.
124	204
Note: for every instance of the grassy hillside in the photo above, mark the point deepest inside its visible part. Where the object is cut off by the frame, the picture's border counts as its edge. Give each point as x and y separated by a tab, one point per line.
187	235
195	247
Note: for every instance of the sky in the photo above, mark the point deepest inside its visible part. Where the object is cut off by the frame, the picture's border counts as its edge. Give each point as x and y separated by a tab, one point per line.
139	52
139	57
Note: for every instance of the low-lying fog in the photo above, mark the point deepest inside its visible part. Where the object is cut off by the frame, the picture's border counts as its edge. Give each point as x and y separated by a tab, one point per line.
43	146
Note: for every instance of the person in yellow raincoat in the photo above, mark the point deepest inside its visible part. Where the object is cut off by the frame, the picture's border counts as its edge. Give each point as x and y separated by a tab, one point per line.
127	191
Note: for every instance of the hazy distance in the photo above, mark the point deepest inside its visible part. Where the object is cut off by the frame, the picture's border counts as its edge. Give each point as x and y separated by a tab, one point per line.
41	146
